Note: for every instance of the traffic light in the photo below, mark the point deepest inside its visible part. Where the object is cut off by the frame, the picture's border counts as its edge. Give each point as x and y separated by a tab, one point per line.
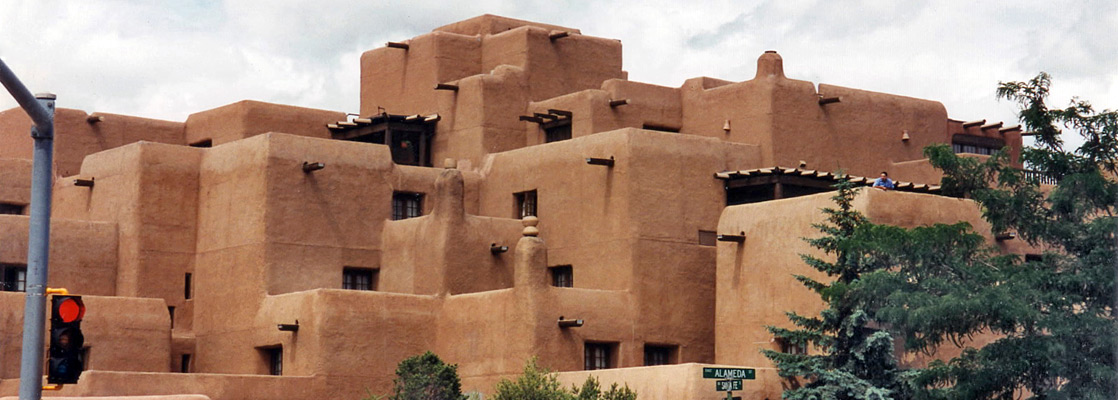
66	339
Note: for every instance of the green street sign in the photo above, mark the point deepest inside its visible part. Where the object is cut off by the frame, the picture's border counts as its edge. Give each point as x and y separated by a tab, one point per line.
729	373
727	385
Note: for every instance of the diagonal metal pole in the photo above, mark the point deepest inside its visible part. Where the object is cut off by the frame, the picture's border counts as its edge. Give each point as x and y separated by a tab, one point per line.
41	110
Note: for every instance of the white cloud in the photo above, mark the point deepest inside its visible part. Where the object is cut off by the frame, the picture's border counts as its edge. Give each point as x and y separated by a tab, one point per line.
167	60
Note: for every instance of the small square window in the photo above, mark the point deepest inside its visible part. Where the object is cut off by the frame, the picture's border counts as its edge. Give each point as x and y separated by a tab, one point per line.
359	279
792	347
562	276
526	204
274	357
11	208
599	356
659	354
13	277
406	205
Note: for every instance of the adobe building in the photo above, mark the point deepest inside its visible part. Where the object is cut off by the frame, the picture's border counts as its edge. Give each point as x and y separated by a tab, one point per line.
505	192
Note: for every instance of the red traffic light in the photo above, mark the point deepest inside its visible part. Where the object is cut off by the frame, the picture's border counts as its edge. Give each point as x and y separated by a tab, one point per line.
71	309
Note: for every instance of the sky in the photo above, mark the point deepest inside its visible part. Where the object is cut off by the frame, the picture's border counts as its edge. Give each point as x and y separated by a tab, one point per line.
168	59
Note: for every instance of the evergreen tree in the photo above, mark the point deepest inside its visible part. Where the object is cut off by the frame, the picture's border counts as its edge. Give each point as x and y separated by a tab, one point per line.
426	377
857	361
1055	314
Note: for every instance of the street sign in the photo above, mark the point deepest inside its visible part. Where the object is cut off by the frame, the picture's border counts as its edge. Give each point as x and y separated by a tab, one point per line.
727	385
729	373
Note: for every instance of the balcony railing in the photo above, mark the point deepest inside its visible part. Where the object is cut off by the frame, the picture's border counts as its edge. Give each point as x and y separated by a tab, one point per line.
1040	177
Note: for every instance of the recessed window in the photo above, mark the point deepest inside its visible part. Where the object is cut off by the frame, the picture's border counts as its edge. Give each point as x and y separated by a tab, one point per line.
409	138
708	238
525	204
171	310
13	277
659	354
1034	258
599	356
562	276
11	208
274	357
203	143
406	205
792	347
359	279
187	289
184	363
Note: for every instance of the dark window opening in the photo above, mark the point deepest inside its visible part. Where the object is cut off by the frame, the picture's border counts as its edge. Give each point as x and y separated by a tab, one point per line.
708	238
792	347
408	138
406	205
976	144
11	208
1033	258
187	292
359	278
526	204
184	363
599	356
557	130
203	143
274	357
659	355
562	276
171	310
13	277
772	187
661	128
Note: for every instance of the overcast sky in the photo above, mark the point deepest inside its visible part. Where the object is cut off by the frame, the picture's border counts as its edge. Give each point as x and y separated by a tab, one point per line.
170	60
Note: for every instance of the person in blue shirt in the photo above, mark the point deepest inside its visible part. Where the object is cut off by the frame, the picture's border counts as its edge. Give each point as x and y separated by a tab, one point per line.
883	183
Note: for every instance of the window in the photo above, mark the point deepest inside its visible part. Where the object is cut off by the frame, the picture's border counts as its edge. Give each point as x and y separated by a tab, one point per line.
11	208
359	279
274	357
187	283
171	310
1034	258
557	130
708	238
13	277
203	143
562	276
406	205
526	204
976	144
792	347
659	355
598	356
184	364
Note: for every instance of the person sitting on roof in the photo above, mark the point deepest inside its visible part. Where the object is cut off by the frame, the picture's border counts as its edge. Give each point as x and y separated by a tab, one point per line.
883	183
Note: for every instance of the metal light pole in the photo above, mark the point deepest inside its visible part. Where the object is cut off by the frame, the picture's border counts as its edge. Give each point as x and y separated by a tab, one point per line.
41	110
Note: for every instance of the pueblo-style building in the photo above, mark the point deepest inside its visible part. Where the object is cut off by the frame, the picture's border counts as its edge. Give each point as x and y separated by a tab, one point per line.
504	192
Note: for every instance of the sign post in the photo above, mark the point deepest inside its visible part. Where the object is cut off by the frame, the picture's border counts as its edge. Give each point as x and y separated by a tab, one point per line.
729	379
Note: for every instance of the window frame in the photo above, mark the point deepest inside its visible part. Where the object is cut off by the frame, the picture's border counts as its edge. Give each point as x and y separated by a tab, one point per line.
527	203
13	277
668	353
371	276
599	355
406	205
562	276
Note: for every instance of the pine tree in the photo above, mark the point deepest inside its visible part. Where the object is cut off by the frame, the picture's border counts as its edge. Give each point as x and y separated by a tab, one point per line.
857	361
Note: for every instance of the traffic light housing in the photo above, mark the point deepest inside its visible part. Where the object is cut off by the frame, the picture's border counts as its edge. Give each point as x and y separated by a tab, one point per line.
66	339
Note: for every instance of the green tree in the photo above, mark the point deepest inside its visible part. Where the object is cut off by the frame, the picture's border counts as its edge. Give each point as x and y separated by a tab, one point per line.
1054	315
857	361
426	377
537	383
